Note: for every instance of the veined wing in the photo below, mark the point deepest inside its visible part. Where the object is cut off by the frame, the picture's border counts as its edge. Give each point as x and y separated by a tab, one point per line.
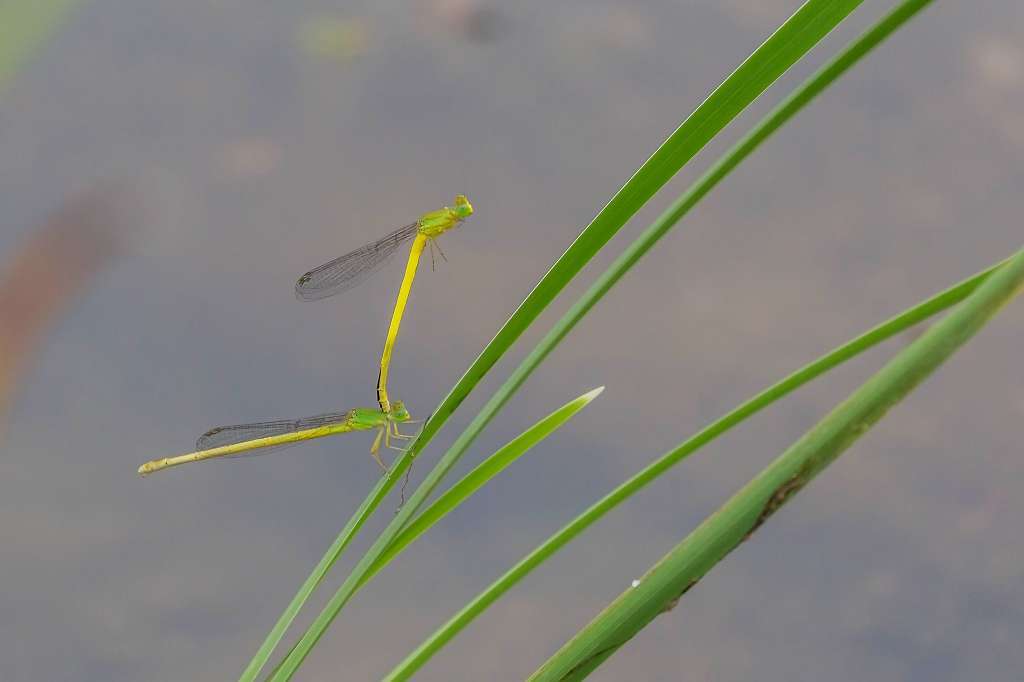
349	270
230	435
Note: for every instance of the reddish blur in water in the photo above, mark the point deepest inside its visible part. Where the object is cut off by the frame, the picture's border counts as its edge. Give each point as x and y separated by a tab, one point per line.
43	278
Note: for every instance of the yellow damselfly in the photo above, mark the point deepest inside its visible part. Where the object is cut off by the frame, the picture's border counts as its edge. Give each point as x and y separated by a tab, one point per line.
344	273
260	438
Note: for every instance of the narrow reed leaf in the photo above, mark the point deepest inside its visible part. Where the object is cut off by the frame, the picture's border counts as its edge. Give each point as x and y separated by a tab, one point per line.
266	649
849	350
479	476
660	589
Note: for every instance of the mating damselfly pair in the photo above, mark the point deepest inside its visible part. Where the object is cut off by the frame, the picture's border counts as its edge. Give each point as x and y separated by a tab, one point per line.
327	280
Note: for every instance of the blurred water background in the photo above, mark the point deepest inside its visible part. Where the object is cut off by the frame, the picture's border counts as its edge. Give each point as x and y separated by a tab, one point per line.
167	169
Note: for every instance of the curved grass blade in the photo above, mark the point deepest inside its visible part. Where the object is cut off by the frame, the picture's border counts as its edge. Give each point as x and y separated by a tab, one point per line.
371	502
480	476
660	589
648	474
811	22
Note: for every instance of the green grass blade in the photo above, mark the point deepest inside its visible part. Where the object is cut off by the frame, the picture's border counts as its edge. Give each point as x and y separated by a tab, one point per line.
660	589
636	483
272	639
25	28
814	20
479	476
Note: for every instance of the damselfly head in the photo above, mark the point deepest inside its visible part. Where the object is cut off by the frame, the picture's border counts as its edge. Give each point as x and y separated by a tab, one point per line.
463	209
399	413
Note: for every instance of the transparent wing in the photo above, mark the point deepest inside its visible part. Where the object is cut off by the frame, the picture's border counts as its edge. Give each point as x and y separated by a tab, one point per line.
229	435
349	270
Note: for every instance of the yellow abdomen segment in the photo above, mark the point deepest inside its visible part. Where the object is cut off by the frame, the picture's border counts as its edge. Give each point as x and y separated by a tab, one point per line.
396	321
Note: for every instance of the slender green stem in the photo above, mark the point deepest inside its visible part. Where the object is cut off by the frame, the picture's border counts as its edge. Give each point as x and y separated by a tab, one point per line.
847	351
316	577
479	476
661	587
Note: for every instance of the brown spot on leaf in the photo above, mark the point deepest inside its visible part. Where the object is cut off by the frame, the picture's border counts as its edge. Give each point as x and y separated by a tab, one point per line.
777	499
672	604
